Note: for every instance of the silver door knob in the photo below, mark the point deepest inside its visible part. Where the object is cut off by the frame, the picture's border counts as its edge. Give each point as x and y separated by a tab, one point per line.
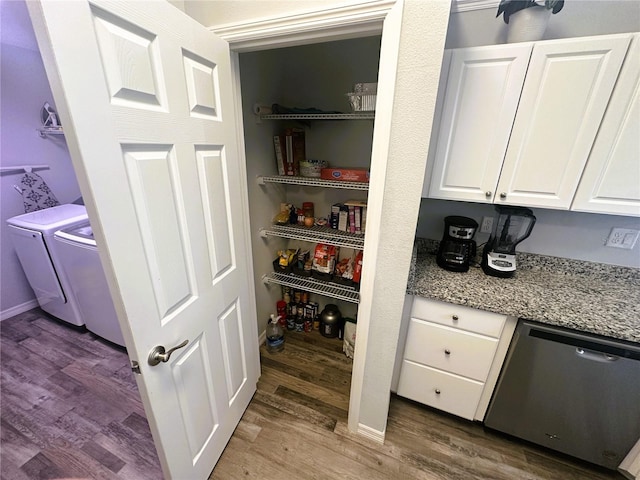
447	351
454	317
503	195
158	353
488	194
437	391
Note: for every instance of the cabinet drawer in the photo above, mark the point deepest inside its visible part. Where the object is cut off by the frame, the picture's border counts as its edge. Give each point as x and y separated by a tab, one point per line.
457	316
453	394
449	349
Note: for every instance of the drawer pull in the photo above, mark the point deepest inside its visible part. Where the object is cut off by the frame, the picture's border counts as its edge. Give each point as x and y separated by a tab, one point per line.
437	391
454	317
447	351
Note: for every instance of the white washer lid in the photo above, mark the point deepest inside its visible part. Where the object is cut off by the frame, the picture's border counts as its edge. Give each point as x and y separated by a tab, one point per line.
82	233
51	219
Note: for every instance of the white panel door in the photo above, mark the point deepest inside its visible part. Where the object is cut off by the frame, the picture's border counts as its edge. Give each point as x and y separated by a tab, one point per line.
145	96
611	180
567	89
482	93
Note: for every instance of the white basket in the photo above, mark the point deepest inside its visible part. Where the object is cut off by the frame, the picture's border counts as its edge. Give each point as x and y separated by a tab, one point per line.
362	102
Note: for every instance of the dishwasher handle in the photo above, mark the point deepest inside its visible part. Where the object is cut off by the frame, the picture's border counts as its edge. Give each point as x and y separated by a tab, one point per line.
595	356
586	345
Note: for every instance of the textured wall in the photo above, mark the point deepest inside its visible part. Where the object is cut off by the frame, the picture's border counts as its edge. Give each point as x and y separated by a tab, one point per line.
421	44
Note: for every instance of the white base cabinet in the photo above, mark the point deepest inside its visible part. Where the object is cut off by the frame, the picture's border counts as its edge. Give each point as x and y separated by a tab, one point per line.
452	356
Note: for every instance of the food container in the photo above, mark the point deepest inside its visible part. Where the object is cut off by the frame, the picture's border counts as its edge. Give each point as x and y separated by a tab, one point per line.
362	102
312	168
330	320
282	269
345	174
367	88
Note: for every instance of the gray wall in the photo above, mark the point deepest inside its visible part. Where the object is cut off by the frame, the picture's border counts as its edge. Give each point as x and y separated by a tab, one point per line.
558	233
578	18
580	236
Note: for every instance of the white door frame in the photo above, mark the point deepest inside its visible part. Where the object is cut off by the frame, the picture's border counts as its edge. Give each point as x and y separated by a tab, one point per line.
338	23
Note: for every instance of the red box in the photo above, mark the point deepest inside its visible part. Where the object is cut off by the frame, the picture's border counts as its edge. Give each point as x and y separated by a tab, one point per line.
345	174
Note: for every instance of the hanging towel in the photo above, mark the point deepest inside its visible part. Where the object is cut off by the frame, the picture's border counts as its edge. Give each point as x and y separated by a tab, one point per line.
36	194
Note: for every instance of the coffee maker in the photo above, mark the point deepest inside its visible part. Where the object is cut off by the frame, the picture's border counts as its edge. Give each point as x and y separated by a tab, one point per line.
457	248
512	226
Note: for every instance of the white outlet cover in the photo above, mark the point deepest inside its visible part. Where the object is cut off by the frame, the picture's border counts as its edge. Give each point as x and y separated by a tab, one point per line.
623	238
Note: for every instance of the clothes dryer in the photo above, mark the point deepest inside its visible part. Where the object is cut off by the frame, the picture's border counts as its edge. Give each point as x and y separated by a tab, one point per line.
80	261
32	236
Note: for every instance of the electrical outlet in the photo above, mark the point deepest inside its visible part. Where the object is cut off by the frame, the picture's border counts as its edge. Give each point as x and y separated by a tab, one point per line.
622	238
487	225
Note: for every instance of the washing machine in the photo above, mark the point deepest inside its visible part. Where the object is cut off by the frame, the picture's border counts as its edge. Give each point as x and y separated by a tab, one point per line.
32	236
80	261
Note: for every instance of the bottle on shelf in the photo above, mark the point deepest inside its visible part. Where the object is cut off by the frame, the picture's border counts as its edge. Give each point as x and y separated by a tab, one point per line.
275	335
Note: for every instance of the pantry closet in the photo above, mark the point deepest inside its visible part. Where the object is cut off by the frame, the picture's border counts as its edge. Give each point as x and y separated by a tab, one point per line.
311	76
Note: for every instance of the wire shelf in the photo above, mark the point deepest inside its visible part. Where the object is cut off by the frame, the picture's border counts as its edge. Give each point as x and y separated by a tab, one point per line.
309	284
321	116
313	182
316	234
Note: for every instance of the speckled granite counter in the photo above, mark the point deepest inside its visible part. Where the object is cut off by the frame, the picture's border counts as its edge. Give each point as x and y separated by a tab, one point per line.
591	297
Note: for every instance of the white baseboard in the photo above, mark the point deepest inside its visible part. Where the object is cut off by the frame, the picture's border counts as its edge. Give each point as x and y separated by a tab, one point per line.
18	309
262	338
368	432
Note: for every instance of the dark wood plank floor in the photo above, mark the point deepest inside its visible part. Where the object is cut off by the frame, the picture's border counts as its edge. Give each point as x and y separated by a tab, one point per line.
69	405
70	409
296	428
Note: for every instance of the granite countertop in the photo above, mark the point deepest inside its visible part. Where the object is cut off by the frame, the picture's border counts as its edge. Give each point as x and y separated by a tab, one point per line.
590	297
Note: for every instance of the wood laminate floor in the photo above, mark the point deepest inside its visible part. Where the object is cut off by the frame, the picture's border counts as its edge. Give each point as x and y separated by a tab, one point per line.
69	405
70	409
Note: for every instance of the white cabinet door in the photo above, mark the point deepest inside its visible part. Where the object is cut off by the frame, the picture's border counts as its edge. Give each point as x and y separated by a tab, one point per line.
146	98
482	93
611	180
567	89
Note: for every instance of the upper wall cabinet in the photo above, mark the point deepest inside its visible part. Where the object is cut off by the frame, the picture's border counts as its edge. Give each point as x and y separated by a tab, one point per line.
479	105
523	138
611	180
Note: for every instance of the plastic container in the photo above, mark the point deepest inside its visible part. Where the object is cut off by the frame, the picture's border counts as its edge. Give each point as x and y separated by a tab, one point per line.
275	335
330	320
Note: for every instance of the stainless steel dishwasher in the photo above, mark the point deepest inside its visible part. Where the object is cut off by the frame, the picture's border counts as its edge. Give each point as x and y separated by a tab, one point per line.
569	391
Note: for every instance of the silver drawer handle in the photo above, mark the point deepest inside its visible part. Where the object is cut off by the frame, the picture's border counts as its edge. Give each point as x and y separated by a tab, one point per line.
158	353
454	317
447	351
437	391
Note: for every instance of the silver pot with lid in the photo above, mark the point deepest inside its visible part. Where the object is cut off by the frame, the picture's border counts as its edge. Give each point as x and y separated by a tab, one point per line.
330	319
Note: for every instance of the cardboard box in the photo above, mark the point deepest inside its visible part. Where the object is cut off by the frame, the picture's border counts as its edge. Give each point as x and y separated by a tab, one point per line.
345	174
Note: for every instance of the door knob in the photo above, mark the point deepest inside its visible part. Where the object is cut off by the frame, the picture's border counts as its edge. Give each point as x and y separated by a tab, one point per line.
158	353
503	195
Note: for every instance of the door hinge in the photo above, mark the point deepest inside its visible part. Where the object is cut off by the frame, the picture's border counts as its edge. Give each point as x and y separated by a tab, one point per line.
135	367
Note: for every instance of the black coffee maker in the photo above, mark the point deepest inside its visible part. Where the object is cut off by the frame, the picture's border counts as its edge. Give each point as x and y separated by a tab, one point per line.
457	248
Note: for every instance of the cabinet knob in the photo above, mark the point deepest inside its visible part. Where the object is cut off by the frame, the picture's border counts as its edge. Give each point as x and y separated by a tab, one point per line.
437	391
487	194
454	317
447	351
503	195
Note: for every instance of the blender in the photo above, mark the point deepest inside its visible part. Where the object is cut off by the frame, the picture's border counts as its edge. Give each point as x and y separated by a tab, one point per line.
513	225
